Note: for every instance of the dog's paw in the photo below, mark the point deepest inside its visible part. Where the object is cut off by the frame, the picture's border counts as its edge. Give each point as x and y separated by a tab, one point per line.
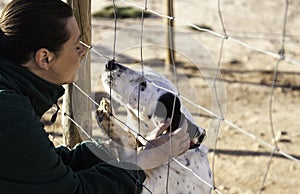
108	124
103	112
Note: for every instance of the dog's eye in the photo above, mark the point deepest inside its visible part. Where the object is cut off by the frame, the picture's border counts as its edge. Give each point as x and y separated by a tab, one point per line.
143	86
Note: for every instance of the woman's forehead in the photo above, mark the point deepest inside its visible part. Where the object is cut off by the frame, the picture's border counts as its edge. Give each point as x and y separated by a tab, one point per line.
73	28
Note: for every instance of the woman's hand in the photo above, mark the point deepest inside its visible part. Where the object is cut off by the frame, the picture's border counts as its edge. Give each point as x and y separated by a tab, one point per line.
160	148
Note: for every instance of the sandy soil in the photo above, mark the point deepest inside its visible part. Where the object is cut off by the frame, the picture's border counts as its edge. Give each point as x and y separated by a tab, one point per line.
239	161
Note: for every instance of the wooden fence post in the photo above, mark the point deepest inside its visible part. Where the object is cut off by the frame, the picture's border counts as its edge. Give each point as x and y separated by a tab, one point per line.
75	104
170	55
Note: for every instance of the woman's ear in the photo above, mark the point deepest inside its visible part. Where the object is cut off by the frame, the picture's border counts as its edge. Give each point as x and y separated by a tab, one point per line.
43	58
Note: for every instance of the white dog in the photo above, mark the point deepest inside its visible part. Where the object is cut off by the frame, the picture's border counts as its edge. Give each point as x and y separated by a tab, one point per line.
149	98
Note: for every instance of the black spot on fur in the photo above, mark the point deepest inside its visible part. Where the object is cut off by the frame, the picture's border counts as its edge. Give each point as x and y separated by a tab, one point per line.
143	86
187	162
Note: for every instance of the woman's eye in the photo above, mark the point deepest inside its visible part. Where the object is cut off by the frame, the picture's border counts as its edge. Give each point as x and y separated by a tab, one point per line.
78	48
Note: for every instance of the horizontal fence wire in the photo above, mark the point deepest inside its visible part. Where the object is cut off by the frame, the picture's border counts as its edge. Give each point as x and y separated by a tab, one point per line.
222	36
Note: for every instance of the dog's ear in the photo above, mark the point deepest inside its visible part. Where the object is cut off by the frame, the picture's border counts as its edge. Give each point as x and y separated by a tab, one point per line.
168	105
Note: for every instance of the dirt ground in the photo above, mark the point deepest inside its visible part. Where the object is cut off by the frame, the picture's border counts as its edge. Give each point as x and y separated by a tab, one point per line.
239	161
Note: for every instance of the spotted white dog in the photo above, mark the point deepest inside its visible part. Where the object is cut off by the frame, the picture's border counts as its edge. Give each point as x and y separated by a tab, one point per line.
149	98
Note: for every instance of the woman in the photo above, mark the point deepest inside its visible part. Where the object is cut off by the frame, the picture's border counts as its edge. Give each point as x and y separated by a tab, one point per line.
40	50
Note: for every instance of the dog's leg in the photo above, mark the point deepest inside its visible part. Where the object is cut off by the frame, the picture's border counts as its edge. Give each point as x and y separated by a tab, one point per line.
103	114
103	117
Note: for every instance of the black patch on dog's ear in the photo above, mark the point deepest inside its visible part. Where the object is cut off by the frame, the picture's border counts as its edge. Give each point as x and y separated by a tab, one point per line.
164	110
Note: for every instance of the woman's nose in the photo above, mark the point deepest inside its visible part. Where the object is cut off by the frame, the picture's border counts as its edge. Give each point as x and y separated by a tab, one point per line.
83	51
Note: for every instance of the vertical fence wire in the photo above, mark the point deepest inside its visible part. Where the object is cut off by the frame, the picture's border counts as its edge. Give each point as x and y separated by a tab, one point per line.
282	56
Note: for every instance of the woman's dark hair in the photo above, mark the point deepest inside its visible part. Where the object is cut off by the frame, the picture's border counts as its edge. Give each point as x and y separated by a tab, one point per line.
28	25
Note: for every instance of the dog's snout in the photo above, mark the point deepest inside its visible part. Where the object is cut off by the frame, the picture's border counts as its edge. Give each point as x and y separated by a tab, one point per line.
111	65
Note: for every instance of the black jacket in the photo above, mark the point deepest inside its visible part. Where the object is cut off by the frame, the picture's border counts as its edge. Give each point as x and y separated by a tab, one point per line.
29	162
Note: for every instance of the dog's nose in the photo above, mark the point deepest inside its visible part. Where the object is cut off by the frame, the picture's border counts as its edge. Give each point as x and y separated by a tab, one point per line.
111	65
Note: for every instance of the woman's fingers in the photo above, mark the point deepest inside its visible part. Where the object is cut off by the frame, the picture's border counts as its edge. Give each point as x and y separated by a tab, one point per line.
180	140
185	145
163	126
182	130
159	150
159	130
177	142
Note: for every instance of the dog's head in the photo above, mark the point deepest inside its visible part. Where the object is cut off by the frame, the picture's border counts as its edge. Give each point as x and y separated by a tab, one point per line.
151	97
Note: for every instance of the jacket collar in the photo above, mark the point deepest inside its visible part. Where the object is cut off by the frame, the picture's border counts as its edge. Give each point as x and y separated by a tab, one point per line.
41	93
